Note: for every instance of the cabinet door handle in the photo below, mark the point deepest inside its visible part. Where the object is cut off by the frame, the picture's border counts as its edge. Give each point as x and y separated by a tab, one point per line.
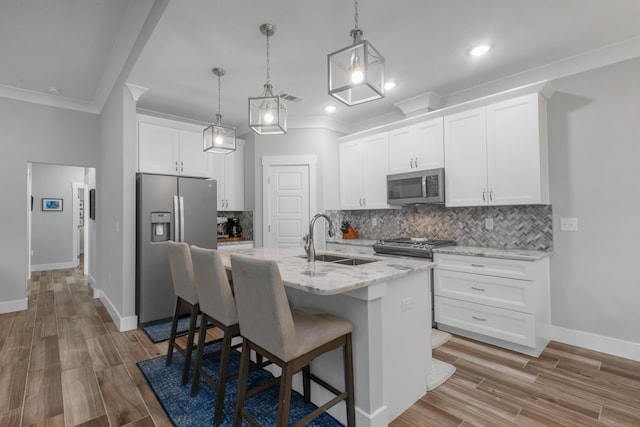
478	289
411	163
416	162
484	199
491	194
181	167
364	201
176	166
479	318
477	265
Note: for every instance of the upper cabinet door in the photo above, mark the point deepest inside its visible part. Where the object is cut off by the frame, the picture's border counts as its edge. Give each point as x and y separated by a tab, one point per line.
465	146
516	147
193	160
351	175
375	167
158	149
401	156
234	179
429	145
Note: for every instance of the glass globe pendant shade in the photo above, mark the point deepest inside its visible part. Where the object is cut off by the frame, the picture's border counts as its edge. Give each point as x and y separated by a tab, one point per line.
267	113
219	139
356	73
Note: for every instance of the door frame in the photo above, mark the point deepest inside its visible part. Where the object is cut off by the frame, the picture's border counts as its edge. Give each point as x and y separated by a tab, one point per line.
268	162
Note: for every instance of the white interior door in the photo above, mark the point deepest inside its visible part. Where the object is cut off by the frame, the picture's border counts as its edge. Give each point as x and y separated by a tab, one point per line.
287	205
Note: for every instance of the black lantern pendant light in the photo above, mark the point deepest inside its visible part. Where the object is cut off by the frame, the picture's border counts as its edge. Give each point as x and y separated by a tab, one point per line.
218	138
356	73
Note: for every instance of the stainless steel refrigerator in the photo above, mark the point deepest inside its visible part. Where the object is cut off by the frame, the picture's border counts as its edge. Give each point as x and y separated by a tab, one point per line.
168	208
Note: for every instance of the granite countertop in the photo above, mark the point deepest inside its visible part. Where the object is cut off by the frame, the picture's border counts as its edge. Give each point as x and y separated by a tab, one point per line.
352	242
515	254
327	278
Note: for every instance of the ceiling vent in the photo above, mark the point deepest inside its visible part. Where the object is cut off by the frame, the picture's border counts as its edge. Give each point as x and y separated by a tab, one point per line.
289	97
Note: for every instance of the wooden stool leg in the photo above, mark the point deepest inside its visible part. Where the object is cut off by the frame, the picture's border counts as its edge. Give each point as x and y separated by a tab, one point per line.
243	377
285	395
192	331
195	382
172	336
222	377
306	383
348	381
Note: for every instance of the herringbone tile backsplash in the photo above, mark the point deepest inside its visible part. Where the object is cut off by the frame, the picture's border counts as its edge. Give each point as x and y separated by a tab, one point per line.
514	227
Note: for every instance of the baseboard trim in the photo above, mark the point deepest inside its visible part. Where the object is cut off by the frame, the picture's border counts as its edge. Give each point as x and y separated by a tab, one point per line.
53	266
613	346
127	323
15	305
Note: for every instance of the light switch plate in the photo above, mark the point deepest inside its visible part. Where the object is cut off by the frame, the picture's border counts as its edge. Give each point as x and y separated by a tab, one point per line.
568	224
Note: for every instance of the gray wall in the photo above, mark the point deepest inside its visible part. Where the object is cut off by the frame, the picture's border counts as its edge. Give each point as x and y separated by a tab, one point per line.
40	134
594	153
297	142
52	231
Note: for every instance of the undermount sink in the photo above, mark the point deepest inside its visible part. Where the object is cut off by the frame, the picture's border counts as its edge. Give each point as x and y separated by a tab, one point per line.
340	259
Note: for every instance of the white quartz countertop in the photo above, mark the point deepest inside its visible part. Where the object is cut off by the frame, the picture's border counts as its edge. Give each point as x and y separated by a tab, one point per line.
516	254
326	278
234	242
352	242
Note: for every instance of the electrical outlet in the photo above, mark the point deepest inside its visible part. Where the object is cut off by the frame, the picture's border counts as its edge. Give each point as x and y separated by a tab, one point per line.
488	223
568	224
374	222
406	304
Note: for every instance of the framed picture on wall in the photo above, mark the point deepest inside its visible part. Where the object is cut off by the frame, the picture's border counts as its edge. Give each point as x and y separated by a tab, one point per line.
52	205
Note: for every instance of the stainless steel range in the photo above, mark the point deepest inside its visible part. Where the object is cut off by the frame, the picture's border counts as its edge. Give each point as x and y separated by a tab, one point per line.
411	247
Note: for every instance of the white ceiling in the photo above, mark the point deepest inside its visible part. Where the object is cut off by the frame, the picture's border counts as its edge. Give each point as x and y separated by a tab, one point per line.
74	45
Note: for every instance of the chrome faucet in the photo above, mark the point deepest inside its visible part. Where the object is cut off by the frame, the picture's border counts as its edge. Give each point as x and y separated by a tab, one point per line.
309	246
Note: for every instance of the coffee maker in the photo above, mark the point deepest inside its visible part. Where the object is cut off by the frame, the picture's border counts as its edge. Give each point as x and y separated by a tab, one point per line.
233	227
223	226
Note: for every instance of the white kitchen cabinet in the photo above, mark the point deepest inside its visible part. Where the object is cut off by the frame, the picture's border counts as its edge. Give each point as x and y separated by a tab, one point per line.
500	301
497	155
363	173
228	171
167	149
417	147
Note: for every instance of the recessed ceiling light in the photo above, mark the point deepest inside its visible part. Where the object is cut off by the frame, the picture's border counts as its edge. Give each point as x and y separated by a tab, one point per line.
330	108
389	85
480	50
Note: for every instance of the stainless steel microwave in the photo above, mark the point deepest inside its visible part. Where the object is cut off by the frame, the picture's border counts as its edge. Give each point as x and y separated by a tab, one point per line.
419	187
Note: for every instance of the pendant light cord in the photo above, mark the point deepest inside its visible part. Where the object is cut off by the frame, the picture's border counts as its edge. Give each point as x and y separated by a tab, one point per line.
219	108
355	8
268	64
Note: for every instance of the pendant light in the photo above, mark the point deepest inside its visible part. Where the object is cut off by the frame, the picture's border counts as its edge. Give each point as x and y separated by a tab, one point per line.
356	73
218	138
267	112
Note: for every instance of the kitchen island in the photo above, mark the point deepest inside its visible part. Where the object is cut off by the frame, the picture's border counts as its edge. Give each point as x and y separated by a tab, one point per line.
388	303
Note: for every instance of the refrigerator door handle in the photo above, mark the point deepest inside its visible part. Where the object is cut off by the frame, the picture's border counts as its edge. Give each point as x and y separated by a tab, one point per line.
181	219
176	214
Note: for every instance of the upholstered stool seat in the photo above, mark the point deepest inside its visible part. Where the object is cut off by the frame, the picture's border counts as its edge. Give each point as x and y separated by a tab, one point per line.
186	295
289	338
218	307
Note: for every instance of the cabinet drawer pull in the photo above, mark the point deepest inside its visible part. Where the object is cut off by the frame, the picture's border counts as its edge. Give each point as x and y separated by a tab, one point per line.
478	289
477	265
479	318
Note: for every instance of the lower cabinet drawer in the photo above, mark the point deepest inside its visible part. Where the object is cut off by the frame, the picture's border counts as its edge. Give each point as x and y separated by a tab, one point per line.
507	325
498	292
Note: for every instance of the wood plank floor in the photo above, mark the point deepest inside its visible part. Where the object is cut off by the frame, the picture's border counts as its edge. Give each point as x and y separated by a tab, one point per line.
64	363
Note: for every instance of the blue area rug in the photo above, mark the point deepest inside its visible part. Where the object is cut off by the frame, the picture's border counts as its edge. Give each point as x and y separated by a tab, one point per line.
161	331
187	411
